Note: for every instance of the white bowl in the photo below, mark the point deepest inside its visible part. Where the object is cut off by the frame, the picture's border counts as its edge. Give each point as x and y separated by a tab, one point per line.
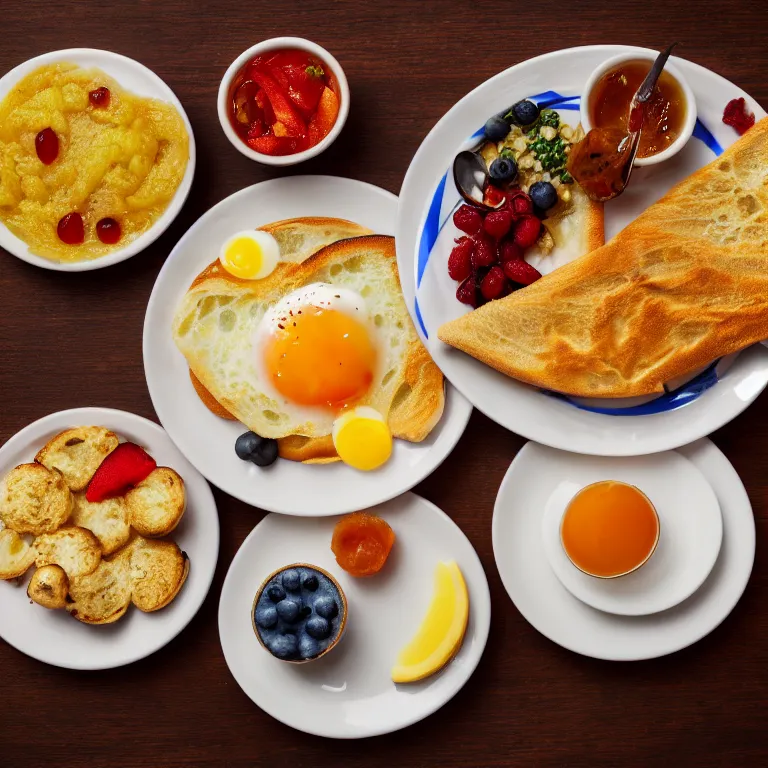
645	54
274	44
137	79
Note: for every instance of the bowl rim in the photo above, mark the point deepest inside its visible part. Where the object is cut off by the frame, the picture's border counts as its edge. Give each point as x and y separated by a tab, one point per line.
342	623
271	44
645	54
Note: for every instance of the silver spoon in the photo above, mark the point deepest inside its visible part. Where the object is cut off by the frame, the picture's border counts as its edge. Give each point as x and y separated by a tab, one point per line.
470	174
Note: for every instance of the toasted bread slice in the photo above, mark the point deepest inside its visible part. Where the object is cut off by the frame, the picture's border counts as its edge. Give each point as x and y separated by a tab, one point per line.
77	453
300	238
156	505
34	499
103	597
75	549
158	572
410	390
16	556
49	587
107	520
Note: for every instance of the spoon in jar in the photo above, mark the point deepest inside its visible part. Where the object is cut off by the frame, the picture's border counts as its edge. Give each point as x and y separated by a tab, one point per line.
470	174
602	161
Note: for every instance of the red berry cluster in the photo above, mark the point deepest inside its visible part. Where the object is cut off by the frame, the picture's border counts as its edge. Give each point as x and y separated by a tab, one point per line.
488	260
736	115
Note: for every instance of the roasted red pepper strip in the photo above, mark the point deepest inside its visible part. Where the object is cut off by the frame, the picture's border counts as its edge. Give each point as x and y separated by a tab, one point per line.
323	120
277	145
284	110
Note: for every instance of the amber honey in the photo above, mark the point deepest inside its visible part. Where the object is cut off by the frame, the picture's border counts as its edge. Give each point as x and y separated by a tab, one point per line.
609	529
665	113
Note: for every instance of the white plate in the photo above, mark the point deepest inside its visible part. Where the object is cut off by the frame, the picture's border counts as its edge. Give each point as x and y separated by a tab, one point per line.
208	441
691	526
54	637
425	235
137	79
348	694
557	614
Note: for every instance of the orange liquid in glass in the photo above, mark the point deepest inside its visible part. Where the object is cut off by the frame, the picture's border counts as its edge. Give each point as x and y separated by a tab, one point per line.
609	529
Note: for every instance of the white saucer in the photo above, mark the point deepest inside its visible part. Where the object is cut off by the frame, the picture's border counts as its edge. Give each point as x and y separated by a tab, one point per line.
54	636
550	608
133	77
348	693
208	441
691	528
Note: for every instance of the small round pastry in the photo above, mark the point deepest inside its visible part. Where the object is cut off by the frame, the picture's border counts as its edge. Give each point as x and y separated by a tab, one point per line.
49	587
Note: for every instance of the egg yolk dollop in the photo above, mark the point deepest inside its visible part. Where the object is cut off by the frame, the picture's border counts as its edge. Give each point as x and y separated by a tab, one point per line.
362	438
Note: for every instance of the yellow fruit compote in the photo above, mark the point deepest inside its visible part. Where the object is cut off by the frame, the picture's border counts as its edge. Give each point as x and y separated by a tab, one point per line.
121	159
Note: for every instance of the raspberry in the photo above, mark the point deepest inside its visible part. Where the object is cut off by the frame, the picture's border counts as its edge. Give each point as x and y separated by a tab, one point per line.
509	251
498	223
527	231
493	196
736	115
466	293
468	219
493	284
459	262
521	204
521	272
485	252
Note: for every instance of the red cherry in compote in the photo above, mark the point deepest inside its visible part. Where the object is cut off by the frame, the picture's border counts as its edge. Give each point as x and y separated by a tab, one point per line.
70	229
100	97
108	231
47	146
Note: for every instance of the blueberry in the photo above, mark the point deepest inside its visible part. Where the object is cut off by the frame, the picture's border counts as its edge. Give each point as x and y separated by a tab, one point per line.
496	128
275	593
543	195
266	617
284	646
326	607
291	580
262	451
503	169
318	627
305	611
524	112
288	610
308	647
311	583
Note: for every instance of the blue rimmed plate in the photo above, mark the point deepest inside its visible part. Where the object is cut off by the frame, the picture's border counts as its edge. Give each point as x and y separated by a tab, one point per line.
691	408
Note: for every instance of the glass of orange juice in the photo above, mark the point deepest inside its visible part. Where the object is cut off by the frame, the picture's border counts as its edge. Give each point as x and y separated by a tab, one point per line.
609	529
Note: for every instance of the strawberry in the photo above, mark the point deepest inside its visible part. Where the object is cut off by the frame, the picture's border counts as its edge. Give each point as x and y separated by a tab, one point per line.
485	252
126	466
459	262
509	251
521	272
493	284
466	293
498	223
527	231
468	219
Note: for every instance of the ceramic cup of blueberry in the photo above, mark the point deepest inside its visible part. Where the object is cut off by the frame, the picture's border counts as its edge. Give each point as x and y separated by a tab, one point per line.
299	613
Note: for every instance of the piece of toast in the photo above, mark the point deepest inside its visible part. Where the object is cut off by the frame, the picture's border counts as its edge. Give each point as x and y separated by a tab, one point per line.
300	238
684	284
103	597
75	549
16	555
34	499
157	504
49	587
107	520
412	391
158	572
77	453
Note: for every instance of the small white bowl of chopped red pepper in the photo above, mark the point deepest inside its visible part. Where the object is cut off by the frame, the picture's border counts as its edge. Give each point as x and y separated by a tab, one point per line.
283	101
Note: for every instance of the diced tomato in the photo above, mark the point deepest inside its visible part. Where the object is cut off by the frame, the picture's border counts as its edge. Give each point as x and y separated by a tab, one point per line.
323	120
277	145
284	110
305	89
279	74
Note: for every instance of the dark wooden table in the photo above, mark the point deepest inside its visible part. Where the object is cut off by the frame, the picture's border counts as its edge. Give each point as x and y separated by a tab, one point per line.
75	340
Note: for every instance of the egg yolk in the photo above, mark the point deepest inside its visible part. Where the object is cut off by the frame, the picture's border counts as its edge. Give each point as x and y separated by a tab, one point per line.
362	439
243	258
320	357
609	529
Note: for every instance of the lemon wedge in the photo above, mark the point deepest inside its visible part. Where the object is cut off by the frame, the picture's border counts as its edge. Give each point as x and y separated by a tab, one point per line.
441	633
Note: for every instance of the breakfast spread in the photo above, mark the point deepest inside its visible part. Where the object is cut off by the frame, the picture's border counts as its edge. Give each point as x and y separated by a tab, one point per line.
609	529
299	613
318	354
87	167
87	513
283	102
362	543
669	294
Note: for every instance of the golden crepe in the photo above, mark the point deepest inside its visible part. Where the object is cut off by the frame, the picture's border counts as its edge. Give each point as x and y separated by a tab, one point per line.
683	284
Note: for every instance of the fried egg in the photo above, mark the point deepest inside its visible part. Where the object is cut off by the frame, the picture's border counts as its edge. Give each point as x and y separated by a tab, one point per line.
250	255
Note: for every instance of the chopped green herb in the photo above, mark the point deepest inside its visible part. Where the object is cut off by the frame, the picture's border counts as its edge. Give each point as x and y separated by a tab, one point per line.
507	152
565	177
314	71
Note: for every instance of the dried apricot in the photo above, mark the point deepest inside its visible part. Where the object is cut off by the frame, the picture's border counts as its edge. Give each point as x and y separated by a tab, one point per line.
362	543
